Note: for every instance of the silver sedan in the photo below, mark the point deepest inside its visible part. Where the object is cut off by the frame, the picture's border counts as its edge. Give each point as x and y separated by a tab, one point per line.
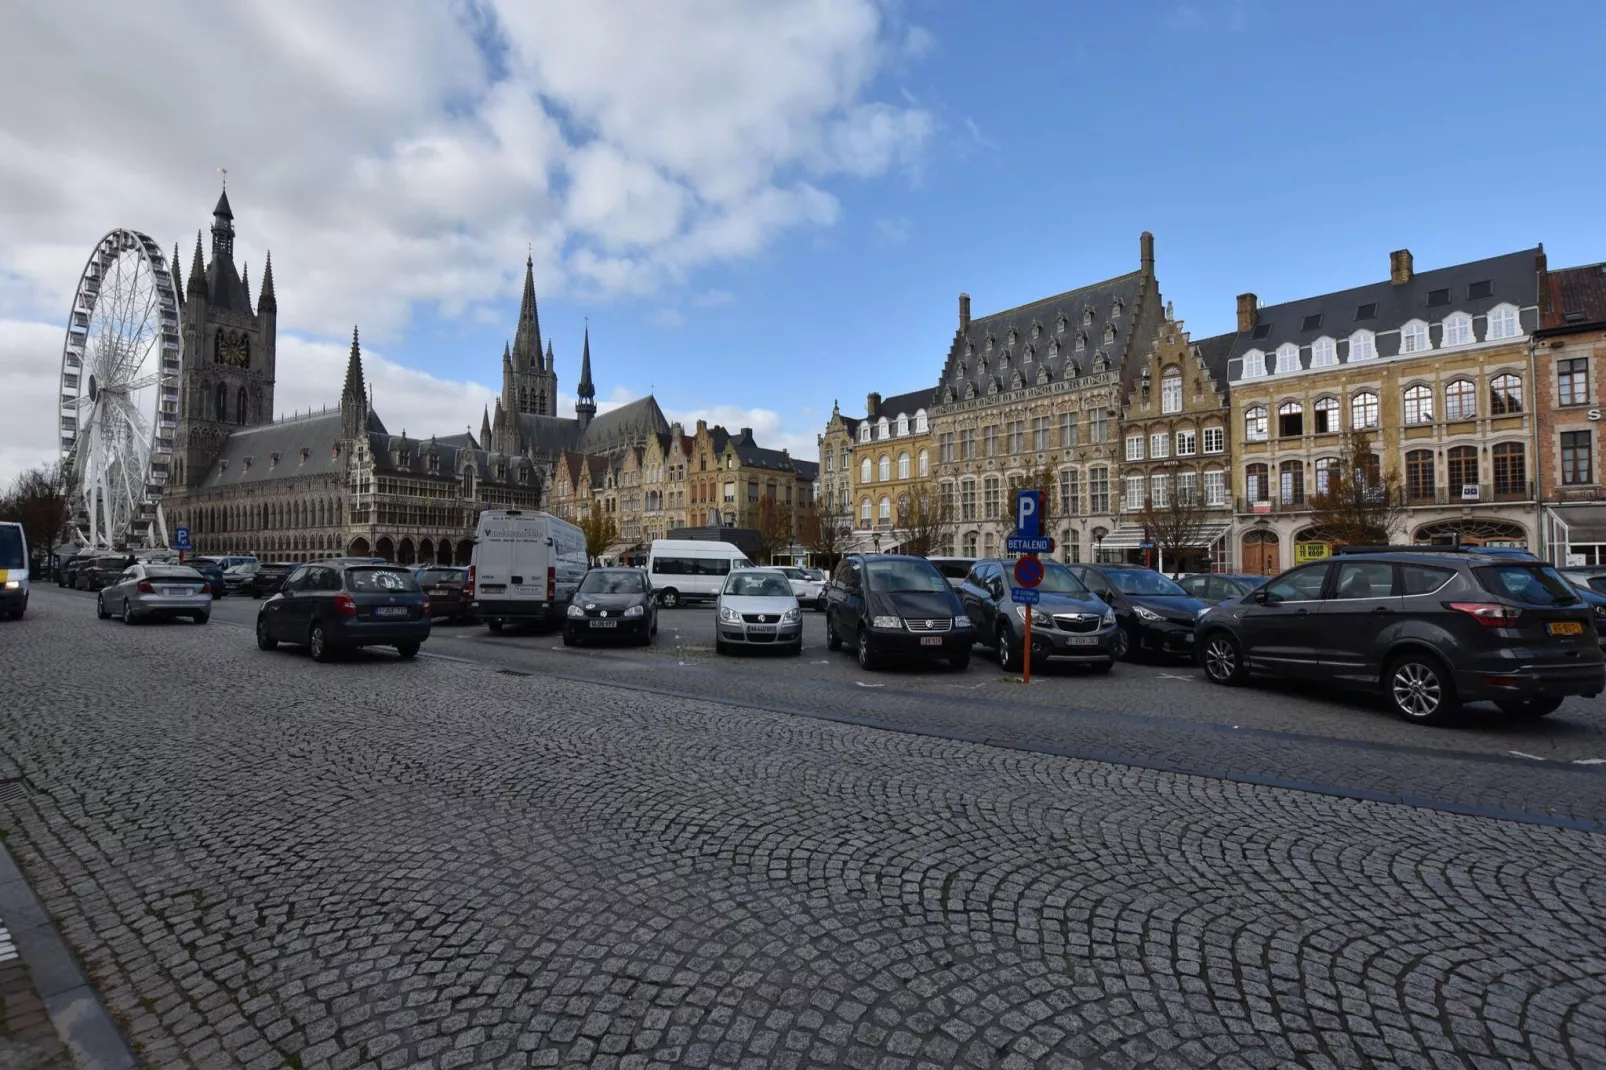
756	607
144	591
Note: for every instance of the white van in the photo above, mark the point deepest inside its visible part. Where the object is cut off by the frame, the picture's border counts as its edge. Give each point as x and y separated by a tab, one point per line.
526	565
13	570
682	570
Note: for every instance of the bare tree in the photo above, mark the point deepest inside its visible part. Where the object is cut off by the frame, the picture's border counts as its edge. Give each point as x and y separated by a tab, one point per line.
38	501
599	529
925	522
1175	522
823	528
774	523
1360	504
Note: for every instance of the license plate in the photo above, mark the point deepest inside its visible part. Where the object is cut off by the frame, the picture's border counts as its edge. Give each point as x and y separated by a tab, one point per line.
175	590
1083	640
761	629
605	624
439	591
1566	627
931	640
391	611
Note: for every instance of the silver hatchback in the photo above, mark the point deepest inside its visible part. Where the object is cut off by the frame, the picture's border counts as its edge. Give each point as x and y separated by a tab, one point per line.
144	591
756	607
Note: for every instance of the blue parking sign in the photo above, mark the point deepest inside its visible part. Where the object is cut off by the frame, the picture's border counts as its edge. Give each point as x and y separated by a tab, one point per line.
181	538
1027	522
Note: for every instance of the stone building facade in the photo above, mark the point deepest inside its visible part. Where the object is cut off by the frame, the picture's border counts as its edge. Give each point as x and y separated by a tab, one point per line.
1569	363
870	466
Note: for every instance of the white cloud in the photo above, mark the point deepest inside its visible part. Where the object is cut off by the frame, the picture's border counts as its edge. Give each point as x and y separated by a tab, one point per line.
714	298
30	374
918	42
770	430
391	161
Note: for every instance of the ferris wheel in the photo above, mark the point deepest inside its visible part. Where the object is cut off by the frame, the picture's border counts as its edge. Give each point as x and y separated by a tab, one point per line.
120	393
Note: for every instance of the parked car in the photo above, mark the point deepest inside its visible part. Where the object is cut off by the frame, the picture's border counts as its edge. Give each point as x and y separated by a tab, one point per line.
890	605
237	578
1155	614
1595	600
270	576
810	589
100	571
67	574
1213	588
954	569
147	591
526	566
1591	576
448	590
612	603
756	607
212	570
13	570
333	607
1070	623
1430	627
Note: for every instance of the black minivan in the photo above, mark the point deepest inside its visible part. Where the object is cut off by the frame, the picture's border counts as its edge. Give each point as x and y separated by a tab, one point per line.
889	605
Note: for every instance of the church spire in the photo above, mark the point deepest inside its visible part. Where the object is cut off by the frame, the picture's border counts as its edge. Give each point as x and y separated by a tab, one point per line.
245	283
485	429
223	230
586	406
527	341
176	266
197	286
549	358
266	301
354	397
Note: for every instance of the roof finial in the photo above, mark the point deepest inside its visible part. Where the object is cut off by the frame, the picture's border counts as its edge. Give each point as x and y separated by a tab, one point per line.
224	171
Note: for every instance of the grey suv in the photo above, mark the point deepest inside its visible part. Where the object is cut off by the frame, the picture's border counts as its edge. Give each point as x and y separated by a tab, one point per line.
1430	627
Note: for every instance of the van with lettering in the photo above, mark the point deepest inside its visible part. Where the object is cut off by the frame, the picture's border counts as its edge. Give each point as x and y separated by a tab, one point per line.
525	567
13	570
682	570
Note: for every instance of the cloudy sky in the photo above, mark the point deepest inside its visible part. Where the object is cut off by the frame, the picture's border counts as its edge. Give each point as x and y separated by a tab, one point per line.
760	207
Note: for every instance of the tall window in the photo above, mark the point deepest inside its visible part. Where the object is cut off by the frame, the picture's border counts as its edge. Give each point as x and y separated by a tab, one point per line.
222	403
1254	364
1577	458
1510	468
864	512
1098	490
1457	329
1419	475
1419	405
240	406
1287	358
1503	323
945	447
864	470
1324	472
1255	424
1215	488
1159	445
920	422
903	466
1257	483
1133	500
924	464
1323	353
884	468
989	441
1461	466
903	424
1171	391
1097	430
884	514
1460	400
1187	443
1067	429
1040	433
1363	411
1362	346
1326	416
1160	490
1291	483
967	444
1071	493
967	500
1572	381
991	497
468	483
1215	439
1414	337
1134	447
1505	395
1290	419
1188	488
1017	436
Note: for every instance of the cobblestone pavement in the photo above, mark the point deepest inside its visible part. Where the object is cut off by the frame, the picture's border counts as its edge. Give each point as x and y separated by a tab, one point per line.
262	861
27	1039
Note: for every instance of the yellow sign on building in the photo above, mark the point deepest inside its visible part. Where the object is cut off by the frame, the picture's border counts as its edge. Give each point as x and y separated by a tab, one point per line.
1311	551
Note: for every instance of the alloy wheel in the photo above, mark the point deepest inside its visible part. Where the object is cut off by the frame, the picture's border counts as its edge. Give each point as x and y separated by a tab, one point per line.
1221	659
1006	659
1417	690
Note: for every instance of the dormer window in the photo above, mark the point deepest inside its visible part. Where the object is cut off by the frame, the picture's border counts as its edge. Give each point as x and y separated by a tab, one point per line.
1414	337
334	451
1115	312
1037	331
1060	324
1503	323
273	460
434	462
1323	353
864	432
1081	342
1254	364
1362	346
305	453
1287	358
1457	329
1013	336
903	424
882	427
223	465
989	343
245	465
920	421
1087	317
1109	334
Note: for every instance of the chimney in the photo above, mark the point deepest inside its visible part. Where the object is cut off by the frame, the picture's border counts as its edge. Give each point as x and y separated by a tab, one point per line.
1246	312
1400	267
872	405
964	311
1542	269
1146	252
702	427
747	434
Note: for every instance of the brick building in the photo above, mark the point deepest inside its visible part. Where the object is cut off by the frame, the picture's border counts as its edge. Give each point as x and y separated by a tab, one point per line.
1569	351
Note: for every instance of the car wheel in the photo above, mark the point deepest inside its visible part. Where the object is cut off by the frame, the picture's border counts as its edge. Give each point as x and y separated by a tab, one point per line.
867	657
494	625
1102	667
407	650
201	618
833	641
1008	657
720	647
959	662
669	598
264	640
1121	645
795	650
1223	659
569	640
1417	687
318	643
1539	706
100	608
128	612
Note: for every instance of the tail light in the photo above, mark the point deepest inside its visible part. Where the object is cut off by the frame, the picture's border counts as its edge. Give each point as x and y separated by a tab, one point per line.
426	607
344	605
1489	614
551	584
144	587
471	578
206	588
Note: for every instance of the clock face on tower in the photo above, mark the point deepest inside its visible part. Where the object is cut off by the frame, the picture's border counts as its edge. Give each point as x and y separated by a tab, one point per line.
233	349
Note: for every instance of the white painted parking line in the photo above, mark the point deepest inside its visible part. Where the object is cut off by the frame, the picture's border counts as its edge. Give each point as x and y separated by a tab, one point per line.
861	683
1589	761
1524	754
8	950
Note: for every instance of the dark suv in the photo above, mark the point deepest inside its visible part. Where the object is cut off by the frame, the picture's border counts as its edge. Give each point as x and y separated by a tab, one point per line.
1070	623
330	607
888	605
1430	627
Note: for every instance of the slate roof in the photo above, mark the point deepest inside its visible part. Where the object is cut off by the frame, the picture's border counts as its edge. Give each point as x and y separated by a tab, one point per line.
1058	319
224	288
629	423
1512	278
465	441
316	433
809	470
1575	298
906	404
1213	353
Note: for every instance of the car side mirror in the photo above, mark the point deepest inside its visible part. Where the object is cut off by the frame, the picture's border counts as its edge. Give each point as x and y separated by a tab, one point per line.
1261	596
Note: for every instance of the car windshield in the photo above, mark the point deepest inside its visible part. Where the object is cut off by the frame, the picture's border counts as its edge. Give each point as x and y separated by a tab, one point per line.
442	575
10	547
631	582
954	570
379	580
892	577
1537	585
1143	581
110	562
757	585
1057	579
168	572
794	574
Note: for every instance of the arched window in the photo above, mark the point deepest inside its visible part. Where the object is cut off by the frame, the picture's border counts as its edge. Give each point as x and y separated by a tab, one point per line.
1254	364
1505	395
1461	468
924	465
1419	479
1457	329
884	511
1460	400
1323	353
1291	482
1510	469
1171	390
864	470
1257	483
1419	404
1503	323
1255	423
920	421
468	482
881	428
1363	411
1287	358
222	403
1362	346
864	512
1414	337
903	424
969	544
1324	470
1326	413
1290	419
884	468
240	407
903	466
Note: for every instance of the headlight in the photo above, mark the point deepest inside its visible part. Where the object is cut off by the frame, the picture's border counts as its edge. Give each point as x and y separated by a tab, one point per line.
961	623
12	585
1038	616
791	616
729	616
1145	614
634	611
1108	619
576	611
886	622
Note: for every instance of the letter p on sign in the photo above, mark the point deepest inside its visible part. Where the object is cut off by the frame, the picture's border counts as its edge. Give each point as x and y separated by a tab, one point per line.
1026	517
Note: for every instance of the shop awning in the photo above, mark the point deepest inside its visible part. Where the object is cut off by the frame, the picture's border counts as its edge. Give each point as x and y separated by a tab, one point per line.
1130	537
1582	523
617	550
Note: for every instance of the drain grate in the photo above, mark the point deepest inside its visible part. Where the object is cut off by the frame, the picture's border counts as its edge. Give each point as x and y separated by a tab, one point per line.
12	791
510	672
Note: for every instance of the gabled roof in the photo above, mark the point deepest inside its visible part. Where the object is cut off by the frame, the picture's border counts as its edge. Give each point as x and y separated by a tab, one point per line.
1213	353
630	422
1575	298
247	454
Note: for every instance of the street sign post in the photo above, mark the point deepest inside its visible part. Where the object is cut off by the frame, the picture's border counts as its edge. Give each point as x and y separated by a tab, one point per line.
181	542
1026	513
1028	572
1036	544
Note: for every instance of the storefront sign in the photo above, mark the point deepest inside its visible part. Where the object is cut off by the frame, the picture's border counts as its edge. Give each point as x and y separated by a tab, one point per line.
1311	551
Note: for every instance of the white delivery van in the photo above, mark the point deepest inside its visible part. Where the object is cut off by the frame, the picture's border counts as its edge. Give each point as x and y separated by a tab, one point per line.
683	570
526	565
13	570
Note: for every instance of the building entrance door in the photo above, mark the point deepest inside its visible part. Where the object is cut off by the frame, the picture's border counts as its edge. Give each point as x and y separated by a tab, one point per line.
1261	555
